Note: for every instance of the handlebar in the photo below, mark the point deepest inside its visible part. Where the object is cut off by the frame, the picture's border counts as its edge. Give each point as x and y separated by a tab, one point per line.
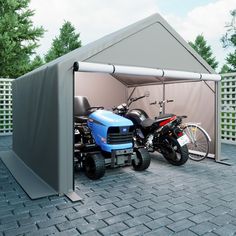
135	99
161	102
153	103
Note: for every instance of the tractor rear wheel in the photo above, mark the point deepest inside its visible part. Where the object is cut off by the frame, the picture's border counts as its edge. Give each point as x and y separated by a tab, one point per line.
94	166
142	161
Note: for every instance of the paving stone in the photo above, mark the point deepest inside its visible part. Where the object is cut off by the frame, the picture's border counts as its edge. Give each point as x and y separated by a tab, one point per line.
211	234
180	207
144	197
126	200
198	209
215	203
108	200
201	217
84	228
106	207
228	230
71	224
219	210
229	197
161	205
120	210
8	226
117	218
223	219
98	216
179	200
140	211
161	231
21	230
14	218
23	210
138	220
92	233
185	232
135	231
143	204
32	220
160	222
79	214
49	222
160	213
180	215
203	228
42	211
180	225
63	212
45	231
118	227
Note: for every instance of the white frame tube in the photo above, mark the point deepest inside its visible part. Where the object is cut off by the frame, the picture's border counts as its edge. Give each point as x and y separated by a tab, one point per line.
143	71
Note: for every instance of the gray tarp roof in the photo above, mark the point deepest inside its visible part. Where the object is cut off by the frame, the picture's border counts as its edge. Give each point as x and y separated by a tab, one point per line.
150	42
43	100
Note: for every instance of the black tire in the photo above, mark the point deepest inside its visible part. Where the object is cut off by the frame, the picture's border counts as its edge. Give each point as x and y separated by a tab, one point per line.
94	166
178	155
143	159
199	142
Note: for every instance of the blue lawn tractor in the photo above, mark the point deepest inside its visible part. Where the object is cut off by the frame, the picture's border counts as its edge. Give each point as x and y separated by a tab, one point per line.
102	139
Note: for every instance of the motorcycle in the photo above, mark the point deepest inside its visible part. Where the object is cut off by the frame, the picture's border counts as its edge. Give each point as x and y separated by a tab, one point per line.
162	134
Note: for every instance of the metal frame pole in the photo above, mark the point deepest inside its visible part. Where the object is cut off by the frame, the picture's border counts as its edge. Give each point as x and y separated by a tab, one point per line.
163	98
218	121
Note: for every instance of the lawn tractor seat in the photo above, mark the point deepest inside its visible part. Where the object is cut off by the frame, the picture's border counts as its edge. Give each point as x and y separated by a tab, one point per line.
81	106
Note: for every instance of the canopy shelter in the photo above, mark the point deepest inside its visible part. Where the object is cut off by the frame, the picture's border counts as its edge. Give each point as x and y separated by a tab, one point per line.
146	55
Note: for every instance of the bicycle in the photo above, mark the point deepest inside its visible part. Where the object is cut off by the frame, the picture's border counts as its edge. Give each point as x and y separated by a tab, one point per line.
199	139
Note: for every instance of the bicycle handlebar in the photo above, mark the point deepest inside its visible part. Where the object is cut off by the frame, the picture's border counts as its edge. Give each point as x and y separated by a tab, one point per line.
161	102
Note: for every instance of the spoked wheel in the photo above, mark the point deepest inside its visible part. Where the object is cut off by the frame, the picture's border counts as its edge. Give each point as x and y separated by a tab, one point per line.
94	166
174	153
142	161
199	143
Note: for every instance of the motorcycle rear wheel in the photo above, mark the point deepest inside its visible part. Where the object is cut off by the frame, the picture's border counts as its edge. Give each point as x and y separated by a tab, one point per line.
175	154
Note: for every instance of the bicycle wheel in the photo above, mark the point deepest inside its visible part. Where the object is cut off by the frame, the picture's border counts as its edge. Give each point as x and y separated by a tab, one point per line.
199	143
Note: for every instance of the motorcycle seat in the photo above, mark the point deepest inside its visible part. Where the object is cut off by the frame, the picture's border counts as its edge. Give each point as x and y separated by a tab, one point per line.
163	117
149	122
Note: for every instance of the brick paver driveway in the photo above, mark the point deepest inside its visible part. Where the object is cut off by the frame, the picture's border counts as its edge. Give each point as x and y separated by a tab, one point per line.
195	199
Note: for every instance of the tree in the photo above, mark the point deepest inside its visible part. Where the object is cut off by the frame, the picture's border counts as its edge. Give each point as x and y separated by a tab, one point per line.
18	37
204	50
229	40
36	62
67	41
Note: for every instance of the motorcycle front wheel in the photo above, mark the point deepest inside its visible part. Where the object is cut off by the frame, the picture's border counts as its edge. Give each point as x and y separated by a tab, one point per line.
174	153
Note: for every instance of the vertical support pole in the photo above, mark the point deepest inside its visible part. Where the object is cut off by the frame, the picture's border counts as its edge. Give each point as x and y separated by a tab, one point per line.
217	121
164	98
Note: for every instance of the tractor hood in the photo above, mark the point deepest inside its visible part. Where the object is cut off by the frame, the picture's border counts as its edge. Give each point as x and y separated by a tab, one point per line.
108	118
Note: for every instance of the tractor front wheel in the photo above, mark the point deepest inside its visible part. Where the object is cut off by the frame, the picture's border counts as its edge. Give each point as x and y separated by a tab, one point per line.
94	165
142	160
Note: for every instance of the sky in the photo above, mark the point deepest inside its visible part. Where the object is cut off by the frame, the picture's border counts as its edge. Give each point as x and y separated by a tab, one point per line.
96	18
